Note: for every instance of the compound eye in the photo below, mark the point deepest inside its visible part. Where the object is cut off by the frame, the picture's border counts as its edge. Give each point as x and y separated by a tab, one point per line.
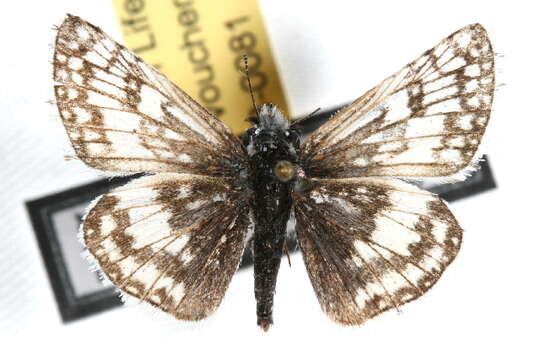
284	170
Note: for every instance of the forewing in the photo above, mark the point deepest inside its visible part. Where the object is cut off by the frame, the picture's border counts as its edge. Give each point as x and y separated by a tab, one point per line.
171	240
371	244
121	114
426	120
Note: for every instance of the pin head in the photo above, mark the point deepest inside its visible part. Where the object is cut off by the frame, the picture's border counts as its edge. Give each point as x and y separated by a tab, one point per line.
284	170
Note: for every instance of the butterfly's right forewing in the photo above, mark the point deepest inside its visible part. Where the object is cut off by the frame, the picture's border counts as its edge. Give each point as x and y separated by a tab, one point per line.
171	240
123	115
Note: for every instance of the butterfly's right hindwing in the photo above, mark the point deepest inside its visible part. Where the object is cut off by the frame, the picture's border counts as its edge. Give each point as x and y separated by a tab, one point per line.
171	240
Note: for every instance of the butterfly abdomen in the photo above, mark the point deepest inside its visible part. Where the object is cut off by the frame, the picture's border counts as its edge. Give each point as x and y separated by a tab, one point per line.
272	149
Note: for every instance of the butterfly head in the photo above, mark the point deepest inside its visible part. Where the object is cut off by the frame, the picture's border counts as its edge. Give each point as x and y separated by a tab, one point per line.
272	144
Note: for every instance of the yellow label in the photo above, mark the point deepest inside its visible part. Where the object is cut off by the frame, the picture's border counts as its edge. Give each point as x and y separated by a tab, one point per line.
199	45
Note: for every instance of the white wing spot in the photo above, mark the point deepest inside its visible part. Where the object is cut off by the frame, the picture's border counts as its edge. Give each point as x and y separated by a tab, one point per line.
472	86
474	102
449	105
463	40
472	70
75	63
440	94
439	83
454	64
439	230
108	224
466	121
178	292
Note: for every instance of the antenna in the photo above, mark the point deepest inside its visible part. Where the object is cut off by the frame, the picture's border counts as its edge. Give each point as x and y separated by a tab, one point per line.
308	123
250	88
307	116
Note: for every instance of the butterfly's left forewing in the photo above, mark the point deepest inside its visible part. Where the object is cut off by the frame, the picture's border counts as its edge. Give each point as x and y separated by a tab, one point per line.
426	120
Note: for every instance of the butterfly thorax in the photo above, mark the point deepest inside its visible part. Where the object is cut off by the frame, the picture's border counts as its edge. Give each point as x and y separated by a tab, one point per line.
272	149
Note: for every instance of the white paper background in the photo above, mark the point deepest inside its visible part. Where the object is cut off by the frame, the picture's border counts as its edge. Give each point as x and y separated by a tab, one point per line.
486	304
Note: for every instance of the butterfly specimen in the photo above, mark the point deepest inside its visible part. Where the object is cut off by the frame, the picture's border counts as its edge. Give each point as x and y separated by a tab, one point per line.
370	240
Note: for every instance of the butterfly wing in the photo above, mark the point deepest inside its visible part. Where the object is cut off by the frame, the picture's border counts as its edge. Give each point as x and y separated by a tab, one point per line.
123	115
426	120
371	242
172	240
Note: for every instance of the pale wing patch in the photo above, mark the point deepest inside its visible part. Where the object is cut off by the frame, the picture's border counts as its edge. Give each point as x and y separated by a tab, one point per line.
371	244
174	241
123	115
427	120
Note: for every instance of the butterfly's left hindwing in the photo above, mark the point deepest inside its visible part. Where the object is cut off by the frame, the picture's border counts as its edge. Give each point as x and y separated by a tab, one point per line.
371	244
171	240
